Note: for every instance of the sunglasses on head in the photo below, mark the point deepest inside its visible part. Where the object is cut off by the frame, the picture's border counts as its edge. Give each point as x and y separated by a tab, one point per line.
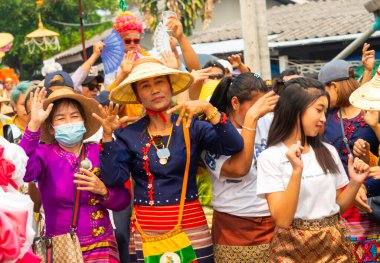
93	86
216	76
129	41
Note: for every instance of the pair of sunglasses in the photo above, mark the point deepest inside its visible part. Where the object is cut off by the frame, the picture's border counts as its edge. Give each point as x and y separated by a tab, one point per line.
216	76
129	41
93	86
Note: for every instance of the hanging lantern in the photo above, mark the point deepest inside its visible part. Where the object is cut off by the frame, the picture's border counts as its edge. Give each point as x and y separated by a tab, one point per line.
43	38
6	42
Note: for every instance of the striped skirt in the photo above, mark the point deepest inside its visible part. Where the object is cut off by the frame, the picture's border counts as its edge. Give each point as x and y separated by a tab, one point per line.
365	234
103	251
157	220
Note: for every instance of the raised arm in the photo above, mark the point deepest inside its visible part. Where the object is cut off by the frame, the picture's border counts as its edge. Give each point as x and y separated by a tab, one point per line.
358	172
81	73
114	154
189	55
283	204
199	77
236	62
215	132
30	141
239	164
368	59
125	69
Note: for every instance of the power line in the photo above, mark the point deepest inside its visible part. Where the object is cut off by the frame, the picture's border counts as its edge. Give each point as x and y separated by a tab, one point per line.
78	25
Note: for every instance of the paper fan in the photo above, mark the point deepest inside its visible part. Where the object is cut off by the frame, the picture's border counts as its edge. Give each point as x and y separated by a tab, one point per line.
113	52
161	39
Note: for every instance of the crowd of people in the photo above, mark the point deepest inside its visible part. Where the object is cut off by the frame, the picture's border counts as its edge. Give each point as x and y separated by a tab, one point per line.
165	161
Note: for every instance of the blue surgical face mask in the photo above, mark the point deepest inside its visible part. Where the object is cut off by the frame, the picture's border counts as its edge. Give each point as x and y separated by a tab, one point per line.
70	134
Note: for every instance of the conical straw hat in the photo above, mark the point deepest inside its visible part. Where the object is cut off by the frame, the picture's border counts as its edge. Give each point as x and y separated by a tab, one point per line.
145	68
367	97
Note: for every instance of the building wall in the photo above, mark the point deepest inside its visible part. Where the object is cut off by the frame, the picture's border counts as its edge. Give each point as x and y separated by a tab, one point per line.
227	11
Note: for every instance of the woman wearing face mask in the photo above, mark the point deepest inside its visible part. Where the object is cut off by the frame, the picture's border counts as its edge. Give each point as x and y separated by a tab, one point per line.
242	227
62	122
304	182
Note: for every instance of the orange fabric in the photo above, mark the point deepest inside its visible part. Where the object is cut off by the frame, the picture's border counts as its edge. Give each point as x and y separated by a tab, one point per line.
131	110
8	73
373	159
233	230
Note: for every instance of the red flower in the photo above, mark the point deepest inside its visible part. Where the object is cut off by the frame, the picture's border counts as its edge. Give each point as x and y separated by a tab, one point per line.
101	147
6	170
223	119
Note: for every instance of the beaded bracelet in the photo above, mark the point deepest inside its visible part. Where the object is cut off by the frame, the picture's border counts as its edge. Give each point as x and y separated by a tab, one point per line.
212	115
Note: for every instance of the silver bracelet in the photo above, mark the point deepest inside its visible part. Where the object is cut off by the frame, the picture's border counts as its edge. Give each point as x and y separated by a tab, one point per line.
248	129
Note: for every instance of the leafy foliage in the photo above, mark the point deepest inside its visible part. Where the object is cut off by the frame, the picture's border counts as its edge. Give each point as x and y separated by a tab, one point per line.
19	17
188	10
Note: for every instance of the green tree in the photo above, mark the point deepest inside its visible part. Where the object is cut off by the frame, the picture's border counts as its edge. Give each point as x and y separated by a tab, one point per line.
19	17
188	10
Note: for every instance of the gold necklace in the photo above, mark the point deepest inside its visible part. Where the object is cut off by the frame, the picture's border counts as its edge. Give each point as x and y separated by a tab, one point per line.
162	152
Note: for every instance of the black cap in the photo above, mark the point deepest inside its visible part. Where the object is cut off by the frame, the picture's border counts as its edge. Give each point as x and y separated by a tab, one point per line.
88	79
103	97
67	81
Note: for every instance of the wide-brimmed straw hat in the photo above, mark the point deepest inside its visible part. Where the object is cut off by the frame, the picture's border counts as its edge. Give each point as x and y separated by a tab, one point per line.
367	97
145	68
89	106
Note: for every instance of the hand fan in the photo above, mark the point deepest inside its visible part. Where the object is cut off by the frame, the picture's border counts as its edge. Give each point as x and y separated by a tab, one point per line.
113	52
161	39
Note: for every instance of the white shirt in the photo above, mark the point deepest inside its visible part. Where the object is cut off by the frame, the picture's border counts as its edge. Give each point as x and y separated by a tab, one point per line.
317	198
237	196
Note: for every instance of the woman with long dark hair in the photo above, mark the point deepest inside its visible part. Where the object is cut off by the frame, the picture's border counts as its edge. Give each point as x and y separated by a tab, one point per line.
304	181
242	226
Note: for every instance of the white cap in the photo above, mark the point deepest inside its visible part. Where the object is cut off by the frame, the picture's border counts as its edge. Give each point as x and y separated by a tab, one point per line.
226	64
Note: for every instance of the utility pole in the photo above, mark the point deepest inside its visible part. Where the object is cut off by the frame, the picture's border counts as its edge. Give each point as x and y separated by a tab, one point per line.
255	35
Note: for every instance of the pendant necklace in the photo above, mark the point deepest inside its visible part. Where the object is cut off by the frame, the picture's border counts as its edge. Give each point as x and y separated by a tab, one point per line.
163	152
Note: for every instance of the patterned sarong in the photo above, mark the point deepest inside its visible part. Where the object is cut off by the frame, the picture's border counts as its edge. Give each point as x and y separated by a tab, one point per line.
365	234
312	241
101	252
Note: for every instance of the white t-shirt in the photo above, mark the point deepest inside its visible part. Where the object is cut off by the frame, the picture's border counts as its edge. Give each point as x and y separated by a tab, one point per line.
237	196
317	198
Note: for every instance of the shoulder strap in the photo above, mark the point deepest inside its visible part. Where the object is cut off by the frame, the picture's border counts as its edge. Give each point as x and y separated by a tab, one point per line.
345	140
75	211
184	182
186	175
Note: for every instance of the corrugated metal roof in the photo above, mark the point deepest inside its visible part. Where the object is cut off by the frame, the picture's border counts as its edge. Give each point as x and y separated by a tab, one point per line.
301	21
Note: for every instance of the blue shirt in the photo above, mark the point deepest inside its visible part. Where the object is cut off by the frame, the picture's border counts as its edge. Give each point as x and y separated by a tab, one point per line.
354	129
124	156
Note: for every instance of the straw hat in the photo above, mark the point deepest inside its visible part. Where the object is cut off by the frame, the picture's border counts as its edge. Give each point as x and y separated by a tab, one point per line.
367	97
145	68
89	106
5	39
4	99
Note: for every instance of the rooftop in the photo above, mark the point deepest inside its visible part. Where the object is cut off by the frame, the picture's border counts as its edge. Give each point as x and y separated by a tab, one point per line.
293	22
